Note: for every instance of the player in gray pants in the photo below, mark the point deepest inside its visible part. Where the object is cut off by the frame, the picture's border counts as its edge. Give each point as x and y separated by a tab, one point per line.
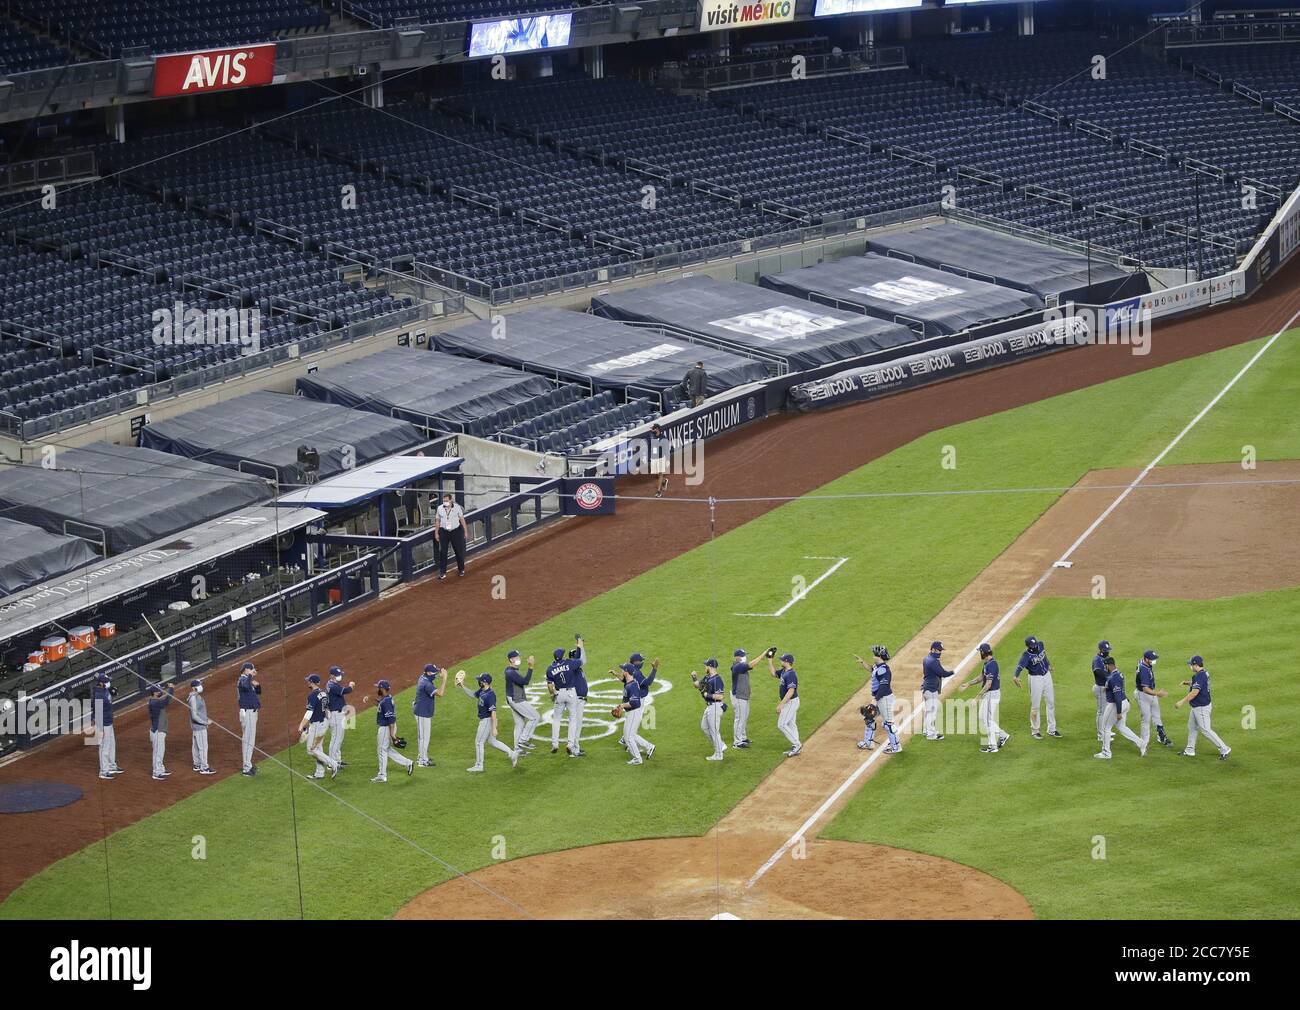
199	728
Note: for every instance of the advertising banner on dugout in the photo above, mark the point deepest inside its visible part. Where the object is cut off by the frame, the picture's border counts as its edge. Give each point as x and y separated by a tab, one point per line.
717	15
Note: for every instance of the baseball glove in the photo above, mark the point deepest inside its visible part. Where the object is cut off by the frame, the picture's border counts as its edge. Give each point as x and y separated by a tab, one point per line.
617	711
399	742
770	652
460	678
869	711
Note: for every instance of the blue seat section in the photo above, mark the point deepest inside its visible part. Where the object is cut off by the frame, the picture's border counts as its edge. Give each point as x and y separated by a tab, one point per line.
592	199
1113	196
21	51
354	212
384	13
565	420
705	144
163	26
1141	98
1272	71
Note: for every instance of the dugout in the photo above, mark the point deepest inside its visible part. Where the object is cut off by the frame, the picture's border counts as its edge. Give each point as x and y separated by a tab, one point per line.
752	320
260	433
931	302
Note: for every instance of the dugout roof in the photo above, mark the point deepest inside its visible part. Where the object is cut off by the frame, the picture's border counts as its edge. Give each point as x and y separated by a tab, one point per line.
29	555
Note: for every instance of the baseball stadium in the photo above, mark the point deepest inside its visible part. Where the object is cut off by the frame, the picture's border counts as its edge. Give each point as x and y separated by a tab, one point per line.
519	459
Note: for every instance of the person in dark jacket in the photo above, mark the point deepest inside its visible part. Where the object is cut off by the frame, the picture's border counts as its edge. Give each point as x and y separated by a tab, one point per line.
696	384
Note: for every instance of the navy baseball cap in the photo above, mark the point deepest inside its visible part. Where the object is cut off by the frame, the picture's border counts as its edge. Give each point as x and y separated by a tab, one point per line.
336	671
1103	646
1150	654
936	647
102	679
739	652
711	662
512	654
636	657
430	667
626	667
485	678
559	653
195	682
787	658
249	666
1196	661
312	678
986	649
383	685
155	689
1031	643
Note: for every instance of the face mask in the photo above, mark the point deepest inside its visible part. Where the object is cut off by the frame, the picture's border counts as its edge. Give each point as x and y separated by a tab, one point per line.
199	689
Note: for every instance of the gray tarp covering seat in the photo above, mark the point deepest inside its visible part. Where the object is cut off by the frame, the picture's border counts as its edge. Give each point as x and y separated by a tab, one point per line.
607	354
29	555
931	301
750	316
1013	262
423	384
265	429
134	495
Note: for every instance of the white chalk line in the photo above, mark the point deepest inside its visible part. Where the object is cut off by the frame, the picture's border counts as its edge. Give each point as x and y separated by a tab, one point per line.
808	589
1029	594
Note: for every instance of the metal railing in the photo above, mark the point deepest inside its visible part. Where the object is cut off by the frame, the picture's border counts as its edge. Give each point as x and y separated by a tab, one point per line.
765	71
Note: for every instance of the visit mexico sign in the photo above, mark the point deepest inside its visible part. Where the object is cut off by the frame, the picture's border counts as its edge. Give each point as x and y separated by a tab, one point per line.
716	15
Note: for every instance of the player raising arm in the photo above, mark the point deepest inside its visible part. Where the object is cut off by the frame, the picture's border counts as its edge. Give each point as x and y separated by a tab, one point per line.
1198	721
989	699
486	700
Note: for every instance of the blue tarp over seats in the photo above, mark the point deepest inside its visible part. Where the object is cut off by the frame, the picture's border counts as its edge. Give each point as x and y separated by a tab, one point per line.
756	318
262	431
29	555
423	385
609	355
1053	274
932	302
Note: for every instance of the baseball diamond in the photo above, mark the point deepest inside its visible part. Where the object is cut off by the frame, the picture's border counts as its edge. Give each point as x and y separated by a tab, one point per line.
842	463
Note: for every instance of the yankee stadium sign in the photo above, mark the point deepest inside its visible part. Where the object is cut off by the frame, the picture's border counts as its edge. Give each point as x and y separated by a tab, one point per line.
716	15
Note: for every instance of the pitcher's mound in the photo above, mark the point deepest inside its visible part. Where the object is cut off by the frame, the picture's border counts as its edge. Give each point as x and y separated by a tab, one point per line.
704	878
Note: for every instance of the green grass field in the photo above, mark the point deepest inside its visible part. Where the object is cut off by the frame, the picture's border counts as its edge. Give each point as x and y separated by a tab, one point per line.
365	849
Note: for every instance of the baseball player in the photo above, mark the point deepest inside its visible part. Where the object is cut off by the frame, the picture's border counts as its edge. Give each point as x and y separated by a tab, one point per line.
989	700
1099	681
713	693
312	727
630	711
882	692
102	712
634	665
427	692
250	701
1034	660
660	452
199	728
577	660
335	702
525	715
1149	700
1116	713
486	700
787	709
389	744
932	675
740	694
1198	720
158	702
559	682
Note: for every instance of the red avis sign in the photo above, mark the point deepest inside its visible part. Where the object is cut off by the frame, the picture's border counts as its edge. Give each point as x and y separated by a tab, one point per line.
214	70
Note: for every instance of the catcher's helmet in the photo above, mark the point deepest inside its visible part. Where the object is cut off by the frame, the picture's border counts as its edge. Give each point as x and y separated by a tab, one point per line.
880	652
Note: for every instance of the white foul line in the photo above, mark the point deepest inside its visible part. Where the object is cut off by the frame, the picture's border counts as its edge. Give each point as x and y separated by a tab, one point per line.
808	589
1002	621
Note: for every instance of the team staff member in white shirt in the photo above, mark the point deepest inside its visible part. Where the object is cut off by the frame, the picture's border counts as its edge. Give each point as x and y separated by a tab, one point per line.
450	532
